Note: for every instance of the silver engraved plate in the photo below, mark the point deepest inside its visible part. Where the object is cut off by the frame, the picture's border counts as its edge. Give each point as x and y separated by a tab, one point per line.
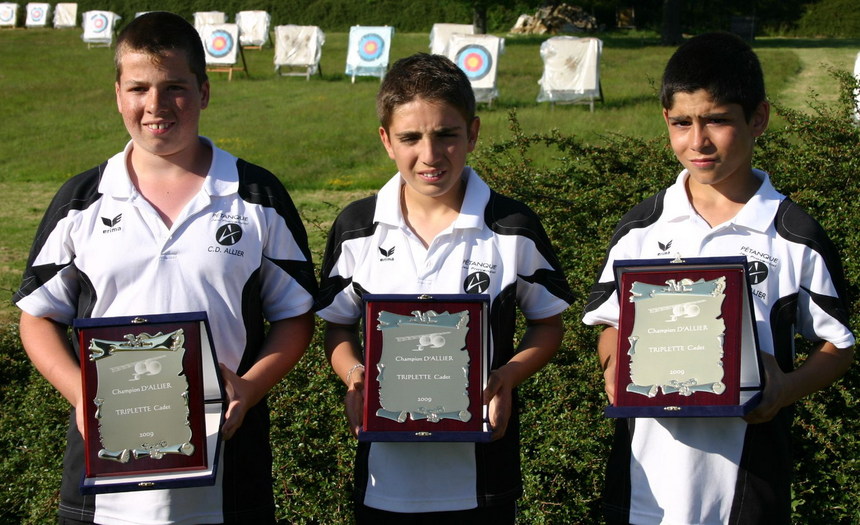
676	344
142	396
423	367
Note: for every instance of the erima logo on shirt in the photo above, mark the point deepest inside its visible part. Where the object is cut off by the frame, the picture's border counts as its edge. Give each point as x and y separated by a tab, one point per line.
664	248
476	282
112	224
387	255
228	235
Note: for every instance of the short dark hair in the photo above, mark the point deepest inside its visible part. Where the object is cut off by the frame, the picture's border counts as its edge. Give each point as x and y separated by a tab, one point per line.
720	63
425	76
157	32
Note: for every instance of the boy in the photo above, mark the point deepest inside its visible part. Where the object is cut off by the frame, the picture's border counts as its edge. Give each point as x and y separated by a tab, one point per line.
447	232
172	197
723	470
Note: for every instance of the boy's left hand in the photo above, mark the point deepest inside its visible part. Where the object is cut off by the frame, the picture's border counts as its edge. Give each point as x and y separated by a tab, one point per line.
775	394
237	405
500	399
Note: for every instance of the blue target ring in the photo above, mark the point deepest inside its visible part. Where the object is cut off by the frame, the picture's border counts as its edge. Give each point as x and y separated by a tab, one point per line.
475	61
37	14
220	43
99	23
370	47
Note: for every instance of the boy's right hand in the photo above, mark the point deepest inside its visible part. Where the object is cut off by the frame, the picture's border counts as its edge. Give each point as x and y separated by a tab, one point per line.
606	347
354	405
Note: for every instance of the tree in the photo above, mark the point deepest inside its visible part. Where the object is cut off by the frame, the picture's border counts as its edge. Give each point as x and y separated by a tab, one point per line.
670	33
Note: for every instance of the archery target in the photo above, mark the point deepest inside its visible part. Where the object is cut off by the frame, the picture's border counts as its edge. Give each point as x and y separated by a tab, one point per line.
371	47
37	14
219	43
98	23
475	61
7	14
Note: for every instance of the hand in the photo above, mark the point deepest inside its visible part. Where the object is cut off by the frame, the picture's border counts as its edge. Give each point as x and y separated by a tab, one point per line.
354	406
500	399
609	381
236	388
80	416
775	394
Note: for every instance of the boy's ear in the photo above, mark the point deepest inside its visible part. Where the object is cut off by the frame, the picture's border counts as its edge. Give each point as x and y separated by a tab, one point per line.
760	118
474	128
386	141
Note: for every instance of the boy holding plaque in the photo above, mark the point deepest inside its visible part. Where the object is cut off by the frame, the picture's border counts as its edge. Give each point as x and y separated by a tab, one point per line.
723	470
437	228
173	224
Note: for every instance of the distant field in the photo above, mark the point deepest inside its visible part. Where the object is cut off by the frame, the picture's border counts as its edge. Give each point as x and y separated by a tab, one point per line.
59	115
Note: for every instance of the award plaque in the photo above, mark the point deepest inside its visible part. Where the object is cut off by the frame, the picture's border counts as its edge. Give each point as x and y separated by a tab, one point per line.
154	403
426	368
687	343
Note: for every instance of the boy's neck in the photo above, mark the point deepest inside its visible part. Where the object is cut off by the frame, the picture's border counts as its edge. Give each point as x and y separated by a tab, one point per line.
718	203
169	183
428	216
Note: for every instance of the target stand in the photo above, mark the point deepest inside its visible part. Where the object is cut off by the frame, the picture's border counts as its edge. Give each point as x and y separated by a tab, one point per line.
223	52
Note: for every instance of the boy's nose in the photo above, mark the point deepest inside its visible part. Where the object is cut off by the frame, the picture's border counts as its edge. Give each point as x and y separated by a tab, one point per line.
700	138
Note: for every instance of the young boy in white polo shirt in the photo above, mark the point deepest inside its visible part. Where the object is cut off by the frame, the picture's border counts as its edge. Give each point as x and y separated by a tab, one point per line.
173	224
723	470
440	229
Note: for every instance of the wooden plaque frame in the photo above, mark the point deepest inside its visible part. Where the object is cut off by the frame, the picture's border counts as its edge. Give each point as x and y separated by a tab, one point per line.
144	465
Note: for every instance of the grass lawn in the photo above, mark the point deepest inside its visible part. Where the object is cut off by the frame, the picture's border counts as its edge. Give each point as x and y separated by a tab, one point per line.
320	135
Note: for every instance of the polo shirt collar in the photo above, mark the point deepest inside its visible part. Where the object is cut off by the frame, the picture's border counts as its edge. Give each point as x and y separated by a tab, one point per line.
471	212
222	179
757	214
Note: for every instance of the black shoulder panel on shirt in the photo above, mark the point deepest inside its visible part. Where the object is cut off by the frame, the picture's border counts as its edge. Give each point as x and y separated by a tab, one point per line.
78	193
642	215
795	225
507	216
257	185
354	222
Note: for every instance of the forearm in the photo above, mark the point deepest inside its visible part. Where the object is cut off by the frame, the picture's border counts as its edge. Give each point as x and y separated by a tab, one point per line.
343	349
539	344
47	346
824	365
284	346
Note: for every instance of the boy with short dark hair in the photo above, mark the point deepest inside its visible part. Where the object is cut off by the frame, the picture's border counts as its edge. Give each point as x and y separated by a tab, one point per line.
443	230
723	470
175	203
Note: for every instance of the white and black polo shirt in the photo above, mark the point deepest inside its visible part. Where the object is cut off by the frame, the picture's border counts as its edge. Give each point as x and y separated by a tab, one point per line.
721	470
237	251
496	247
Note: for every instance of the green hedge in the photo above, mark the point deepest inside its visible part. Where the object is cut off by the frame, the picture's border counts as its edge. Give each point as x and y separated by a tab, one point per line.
580	194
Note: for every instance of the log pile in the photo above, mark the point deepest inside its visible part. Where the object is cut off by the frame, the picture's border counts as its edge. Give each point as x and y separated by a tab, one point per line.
554	20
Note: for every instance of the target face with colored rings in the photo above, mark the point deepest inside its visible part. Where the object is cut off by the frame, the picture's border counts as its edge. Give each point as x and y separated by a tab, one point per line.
99	23
475	61
6	13
220	43
370	47
36	14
